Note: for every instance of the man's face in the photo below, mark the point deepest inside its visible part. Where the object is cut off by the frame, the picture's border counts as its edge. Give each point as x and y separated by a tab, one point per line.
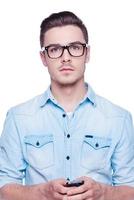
66	69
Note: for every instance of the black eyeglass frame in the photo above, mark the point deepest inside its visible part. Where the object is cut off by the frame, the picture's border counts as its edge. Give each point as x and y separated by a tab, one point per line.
85	45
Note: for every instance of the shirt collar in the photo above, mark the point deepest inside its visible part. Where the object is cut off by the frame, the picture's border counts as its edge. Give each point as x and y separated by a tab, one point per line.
45	97
90	95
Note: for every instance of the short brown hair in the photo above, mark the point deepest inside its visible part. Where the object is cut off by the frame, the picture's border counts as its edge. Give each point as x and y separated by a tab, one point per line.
61	19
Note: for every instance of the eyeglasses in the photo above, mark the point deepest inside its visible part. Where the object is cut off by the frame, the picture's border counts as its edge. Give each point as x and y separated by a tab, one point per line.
56	51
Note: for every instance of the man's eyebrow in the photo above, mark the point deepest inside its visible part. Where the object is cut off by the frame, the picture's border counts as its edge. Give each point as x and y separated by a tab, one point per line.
58	44
76	42
53	44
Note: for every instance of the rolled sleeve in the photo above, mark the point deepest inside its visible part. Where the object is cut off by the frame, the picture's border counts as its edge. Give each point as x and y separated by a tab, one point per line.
123	157
12	165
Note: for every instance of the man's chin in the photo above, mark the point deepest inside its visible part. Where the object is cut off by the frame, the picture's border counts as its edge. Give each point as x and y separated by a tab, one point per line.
67	82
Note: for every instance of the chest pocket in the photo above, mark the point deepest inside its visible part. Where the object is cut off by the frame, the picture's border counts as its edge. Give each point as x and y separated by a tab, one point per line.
94	152
39	150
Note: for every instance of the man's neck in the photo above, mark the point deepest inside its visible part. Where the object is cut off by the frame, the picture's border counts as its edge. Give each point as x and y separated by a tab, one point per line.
68	96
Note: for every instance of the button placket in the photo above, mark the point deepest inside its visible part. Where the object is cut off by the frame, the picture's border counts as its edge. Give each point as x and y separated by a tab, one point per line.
67	145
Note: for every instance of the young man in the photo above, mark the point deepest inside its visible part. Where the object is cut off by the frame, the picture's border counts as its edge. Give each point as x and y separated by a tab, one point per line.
68	133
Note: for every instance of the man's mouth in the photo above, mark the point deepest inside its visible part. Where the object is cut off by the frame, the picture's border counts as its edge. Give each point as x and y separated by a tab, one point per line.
66	69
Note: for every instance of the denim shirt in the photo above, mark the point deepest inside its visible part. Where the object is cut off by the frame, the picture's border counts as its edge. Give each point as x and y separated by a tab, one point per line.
41	143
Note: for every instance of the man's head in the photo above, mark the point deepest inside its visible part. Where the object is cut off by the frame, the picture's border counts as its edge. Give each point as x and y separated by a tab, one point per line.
61	19
64	52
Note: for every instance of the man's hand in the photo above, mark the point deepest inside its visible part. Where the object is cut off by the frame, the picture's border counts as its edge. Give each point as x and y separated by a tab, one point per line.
90	190
54	190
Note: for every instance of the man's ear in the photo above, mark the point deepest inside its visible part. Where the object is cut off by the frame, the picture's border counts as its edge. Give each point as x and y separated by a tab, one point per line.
43	58
87	54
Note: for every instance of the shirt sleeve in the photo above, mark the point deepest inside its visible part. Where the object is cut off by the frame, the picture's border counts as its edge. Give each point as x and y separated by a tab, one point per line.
123	157
12	165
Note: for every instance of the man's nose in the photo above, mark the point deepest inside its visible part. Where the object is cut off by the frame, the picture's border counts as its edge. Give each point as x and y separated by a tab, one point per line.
66	57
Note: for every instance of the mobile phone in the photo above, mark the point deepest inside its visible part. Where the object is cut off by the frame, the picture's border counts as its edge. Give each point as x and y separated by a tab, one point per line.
74	183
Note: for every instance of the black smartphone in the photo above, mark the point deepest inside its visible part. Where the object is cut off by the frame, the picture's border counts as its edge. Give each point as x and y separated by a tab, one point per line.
75	183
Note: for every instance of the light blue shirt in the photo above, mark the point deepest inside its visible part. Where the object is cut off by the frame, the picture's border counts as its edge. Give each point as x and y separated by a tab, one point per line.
40	142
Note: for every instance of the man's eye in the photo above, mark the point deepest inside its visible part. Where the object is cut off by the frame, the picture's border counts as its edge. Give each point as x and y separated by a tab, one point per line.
54	49
75	47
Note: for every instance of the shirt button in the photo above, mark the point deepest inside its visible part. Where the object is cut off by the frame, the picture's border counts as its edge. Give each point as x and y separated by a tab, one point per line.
67	157
64	115
37	143
68	135
97	145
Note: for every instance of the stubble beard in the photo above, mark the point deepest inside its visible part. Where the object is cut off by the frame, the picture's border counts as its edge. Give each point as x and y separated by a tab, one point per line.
67	82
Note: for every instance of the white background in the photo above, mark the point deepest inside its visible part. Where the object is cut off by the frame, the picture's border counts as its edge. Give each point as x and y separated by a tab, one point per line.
111	31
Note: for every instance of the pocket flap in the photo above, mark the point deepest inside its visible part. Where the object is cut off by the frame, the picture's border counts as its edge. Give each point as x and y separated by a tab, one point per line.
38	140
97	142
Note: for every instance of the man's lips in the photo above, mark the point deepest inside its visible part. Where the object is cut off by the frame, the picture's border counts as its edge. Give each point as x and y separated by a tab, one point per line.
66	69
